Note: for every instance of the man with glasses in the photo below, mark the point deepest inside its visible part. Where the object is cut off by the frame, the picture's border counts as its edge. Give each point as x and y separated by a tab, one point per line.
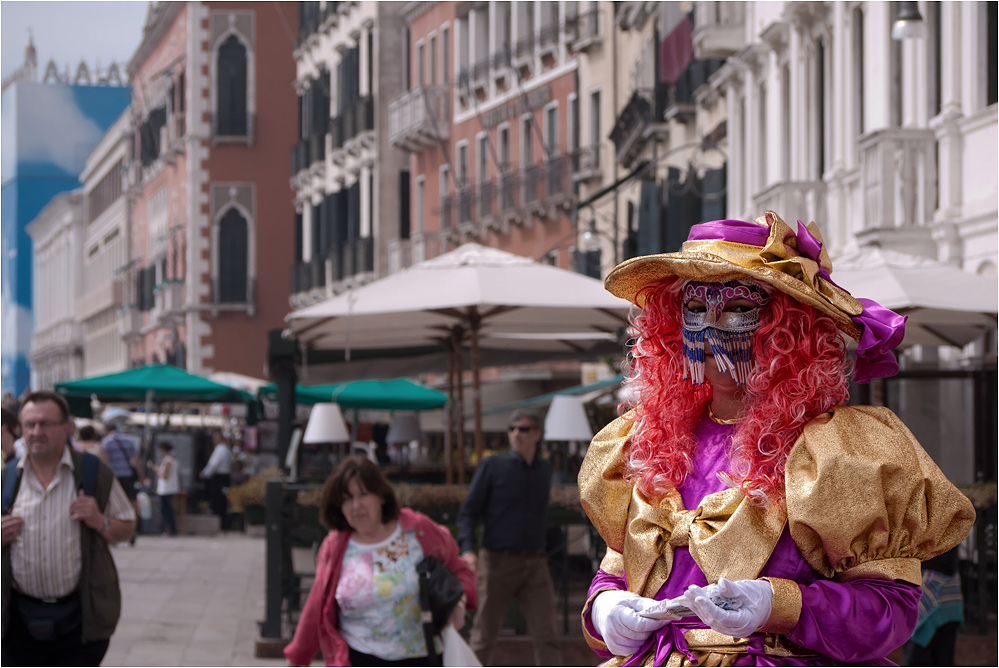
509	497
61	599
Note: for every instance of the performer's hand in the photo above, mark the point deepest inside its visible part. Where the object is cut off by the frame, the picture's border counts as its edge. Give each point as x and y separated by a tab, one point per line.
472	560
751	602
616	617
10	528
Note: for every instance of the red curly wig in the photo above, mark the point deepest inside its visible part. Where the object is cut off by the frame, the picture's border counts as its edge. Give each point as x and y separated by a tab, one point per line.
800	372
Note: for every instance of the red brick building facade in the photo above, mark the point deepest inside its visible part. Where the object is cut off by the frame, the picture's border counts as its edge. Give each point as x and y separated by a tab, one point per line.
491	122
212	209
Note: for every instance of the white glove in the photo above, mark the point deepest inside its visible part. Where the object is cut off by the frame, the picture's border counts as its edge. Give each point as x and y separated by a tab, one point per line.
749	603
615	615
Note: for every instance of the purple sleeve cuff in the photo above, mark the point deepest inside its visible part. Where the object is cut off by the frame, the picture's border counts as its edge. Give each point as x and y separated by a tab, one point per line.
833	612
601	581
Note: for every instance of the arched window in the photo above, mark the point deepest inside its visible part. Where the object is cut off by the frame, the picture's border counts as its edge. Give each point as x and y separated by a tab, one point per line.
231	113
232	254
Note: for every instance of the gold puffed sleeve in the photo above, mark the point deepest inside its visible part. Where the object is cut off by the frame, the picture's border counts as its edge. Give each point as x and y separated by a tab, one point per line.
603	491
865	500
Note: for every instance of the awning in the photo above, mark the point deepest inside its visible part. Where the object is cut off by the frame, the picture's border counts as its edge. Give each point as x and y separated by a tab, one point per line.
599	387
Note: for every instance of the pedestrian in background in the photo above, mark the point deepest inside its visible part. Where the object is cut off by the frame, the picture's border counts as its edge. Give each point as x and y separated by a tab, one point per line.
88	440
364	607
120	453
10	431
217	473
167	484
509	497
61	599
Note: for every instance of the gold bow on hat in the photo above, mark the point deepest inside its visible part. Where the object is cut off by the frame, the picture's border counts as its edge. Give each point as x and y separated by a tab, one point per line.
794	263
726	536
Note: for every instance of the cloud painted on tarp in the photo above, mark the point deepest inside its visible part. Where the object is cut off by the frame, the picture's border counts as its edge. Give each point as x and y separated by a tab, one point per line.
56	131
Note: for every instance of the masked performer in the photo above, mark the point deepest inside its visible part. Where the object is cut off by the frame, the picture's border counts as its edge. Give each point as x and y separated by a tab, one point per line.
785	527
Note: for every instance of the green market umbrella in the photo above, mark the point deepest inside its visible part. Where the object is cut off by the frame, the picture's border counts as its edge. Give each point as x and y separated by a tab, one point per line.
149	383
398	395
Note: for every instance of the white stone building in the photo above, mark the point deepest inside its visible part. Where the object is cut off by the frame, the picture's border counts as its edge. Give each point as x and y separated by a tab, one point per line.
57	233
345	172
106	294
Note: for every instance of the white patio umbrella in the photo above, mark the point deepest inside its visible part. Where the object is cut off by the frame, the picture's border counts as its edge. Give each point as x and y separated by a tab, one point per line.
474	293
945	305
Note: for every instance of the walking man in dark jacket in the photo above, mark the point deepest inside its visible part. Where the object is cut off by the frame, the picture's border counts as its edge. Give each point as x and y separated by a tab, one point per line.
509	497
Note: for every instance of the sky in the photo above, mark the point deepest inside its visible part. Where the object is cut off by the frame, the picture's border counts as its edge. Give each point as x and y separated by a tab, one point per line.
68	32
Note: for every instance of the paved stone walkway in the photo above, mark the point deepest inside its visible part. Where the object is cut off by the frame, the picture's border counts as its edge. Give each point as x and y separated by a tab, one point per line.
190	601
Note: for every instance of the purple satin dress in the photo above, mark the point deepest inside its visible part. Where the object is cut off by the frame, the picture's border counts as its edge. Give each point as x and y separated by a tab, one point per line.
857	623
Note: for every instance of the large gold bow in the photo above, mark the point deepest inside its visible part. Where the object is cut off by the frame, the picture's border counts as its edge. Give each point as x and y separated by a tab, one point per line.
726	535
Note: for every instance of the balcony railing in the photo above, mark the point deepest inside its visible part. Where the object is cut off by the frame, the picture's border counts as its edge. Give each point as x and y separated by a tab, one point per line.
308	275
425	246
548	36
898	177
557	177
515	194
352	258
586	163
299	157
480	69
719	28
420	118
466	205
502	58
509	192
486	199
806	198
524	48
584	31
533	184
357	117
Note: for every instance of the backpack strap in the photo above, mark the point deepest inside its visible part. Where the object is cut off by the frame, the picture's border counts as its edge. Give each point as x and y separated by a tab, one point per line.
88	482
11	483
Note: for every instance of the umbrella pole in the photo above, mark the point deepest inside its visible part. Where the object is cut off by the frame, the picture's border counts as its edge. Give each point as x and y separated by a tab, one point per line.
476	385
460	421
146	428
449	414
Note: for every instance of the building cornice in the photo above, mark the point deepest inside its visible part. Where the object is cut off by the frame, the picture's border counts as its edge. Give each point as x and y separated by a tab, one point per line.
163	15
414	10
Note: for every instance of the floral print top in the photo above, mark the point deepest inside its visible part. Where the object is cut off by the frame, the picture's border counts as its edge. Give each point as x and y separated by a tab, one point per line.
379	597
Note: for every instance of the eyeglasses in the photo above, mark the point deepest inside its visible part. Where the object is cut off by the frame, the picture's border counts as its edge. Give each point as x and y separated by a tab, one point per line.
519	427
44	424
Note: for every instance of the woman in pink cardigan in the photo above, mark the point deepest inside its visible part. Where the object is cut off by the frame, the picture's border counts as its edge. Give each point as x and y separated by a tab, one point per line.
364	607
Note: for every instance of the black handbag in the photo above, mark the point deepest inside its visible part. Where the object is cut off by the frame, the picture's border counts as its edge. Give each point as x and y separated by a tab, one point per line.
440	592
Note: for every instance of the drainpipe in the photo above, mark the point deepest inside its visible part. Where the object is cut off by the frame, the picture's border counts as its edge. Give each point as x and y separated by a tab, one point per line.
614	102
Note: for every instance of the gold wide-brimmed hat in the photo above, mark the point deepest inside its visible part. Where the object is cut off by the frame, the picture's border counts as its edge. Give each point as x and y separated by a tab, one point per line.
766	250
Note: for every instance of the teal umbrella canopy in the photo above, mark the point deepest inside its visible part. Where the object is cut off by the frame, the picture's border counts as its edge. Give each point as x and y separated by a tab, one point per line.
397	395
167	383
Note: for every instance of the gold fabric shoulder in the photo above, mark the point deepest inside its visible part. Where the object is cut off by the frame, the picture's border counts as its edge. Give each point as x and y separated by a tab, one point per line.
865	500
603	491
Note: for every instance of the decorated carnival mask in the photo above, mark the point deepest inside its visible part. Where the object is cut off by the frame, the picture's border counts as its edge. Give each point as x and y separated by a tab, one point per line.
708	315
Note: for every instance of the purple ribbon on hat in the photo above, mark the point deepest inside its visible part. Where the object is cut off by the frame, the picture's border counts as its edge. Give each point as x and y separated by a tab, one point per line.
881	329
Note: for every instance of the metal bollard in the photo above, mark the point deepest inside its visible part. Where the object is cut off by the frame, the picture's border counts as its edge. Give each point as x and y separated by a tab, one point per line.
272	519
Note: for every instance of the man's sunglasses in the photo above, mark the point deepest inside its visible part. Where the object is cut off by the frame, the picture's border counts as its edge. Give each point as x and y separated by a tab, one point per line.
521	428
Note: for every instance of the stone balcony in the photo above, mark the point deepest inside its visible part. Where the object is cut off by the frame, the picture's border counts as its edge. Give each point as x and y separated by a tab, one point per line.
420	118
801	199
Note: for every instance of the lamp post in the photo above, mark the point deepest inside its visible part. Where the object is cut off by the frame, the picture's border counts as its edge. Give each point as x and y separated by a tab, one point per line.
591	251
909	23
